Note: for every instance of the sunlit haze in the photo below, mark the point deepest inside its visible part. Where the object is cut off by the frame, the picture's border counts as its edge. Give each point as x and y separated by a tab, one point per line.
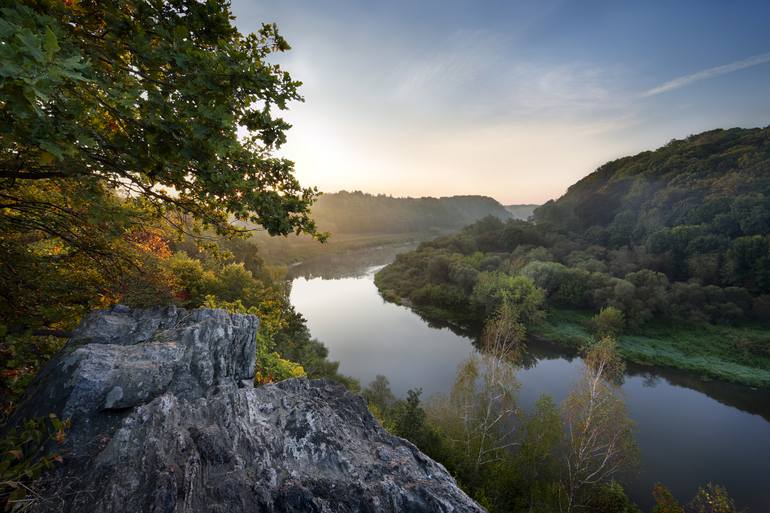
517	100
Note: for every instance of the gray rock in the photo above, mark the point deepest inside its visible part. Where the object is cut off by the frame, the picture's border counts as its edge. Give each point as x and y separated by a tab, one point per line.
164	419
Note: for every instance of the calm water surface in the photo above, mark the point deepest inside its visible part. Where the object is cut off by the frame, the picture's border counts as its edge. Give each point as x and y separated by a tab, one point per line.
689	431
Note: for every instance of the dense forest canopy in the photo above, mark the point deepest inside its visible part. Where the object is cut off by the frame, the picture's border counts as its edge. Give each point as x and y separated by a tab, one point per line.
680	234
699	208
356	212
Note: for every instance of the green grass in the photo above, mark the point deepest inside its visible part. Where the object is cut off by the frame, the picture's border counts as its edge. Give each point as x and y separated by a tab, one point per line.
566	327
740	354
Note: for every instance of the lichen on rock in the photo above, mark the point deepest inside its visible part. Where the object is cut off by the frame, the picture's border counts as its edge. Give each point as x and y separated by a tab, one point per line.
165	419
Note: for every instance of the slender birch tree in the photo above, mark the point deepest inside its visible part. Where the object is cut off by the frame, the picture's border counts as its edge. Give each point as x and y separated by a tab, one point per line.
599	432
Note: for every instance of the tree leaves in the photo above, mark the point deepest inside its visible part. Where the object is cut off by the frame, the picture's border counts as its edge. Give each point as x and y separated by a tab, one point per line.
140	94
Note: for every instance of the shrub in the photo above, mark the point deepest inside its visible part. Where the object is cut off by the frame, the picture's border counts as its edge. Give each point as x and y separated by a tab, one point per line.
23	459
609	322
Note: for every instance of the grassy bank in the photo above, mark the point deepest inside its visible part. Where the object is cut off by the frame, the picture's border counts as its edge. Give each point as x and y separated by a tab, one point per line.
739	354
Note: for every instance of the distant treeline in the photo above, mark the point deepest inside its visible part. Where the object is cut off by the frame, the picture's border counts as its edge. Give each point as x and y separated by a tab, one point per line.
523	212
357	212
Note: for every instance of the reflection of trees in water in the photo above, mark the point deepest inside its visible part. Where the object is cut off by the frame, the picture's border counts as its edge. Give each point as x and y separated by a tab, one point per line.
650	381
540	349
537	349
745	398
467	329
358	263
742	397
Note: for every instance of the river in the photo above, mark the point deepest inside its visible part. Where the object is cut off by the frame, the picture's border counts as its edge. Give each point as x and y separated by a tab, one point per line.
690	432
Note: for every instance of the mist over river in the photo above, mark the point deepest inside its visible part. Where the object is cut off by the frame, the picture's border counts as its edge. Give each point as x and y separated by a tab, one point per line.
690	431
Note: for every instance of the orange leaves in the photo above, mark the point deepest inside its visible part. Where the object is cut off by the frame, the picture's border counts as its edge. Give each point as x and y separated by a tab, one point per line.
150	241
10	373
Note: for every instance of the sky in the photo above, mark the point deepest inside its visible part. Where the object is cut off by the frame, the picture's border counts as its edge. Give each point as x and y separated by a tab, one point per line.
511	99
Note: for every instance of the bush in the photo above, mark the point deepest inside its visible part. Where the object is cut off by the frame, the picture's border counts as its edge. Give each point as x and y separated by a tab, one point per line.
493	289
23	460
609	322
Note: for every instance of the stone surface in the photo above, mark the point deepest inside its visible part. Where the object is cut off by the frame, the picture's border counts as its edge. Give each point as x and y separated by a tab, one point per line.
165	419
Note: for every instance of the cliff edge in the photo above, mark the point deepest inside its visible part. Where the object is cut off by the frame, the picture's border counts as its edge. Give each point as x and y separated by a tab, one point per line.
165	419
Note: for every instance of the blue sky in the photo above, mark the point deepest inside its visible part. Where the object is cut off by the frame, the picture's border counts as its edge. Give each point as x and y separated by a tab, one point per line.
516	100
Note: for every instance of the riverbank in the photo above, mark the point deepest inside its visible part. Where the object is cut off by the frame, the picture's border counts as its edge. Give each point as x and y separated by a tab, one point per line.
418	350
738	354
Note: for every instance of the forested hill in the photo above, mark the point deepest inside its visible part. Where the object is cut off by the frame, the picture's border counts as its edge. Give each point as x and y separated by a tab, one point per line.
708	189
699	207
679	235
357	212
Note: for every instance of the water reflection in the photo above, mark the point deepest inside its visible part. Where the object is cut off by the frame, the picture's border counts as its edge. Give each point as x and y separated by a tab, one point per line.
690	431
369	336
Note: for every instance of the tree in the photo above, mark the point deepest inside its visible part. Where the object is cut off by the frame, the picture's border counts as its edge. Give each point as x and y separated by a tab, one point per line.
599	440
536	459
408	419
609	322
712	499
665	502
123	124
147	98
496	289
480	414
378	395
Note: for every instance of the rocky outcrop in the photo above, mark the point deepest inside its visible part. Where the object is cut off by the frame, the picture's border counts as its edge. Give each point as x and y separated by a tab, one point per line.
165	419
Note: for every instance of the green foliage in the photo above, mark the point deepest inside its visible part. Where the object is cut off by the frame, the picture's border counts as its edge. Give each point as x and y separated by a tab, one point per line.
706	195
89	96
610	498
107	152
600	440
675	239
495	289
379	397
737	354
712	499
21	357
279	332
271	367
407	419
508	460
24	456
609	322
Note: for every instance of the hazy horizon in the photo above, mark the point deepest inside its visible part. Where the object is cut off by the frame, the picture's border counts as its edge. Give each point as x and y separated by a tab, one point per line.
516	101
418	196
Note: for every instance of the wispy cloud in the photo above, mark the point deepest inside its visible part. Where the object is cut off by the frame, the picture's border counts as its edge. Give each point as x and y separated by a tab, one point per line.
708	73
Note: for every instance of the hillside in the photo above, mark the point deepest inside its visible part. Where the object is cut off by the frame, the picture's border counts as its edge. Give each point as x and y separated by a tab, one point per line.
700	207
671	239
356	212
359	221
